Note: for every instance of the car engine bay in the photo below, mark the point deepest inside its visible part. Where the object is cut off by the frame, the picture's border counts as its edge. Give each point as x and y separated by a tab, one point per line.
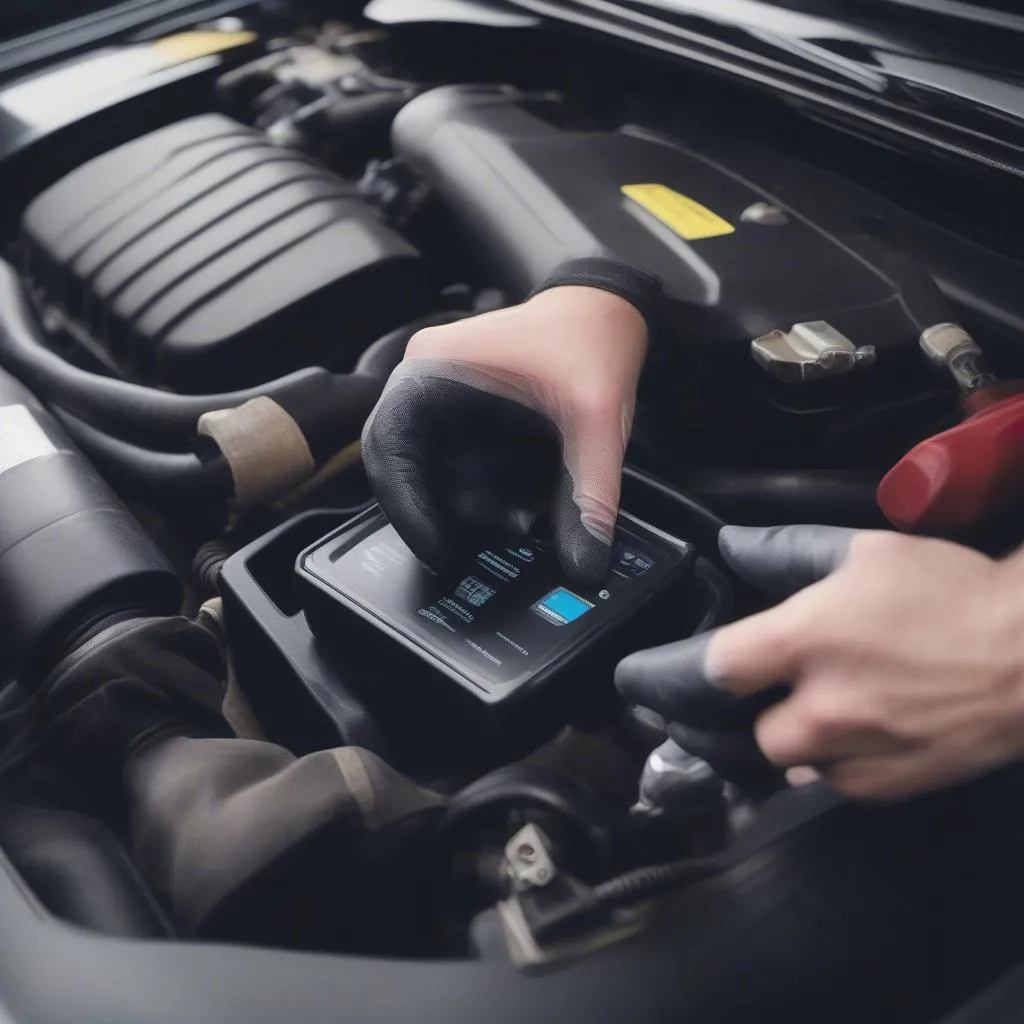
209	267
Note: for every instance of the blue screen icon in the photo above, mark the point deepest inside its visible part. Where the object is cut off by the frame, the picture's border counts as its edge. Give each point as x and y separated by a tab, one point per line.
561	607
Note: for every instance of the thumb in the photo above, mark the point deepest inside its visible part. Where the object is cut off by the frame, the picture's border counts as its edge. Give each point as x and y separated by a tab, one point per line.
586	502
780	560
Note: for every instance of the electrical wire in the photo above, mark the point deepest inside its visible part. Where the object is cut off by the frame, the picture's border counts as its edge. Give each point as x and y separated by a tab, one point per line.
121	408
175	478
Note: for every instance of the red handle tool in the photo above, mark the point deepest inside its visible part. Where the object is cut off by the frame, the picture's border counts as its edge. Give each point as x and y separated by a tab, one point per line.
964	475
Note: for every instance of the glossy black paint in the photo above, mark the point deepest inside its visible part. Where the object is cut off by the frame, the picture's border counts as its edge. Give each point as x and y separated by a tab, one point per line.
33	33
898	78
935	78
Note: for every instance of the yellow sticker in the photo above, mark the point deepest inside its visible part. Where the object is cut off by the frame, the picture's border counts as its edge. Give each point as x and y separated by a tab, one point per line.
685	216
191	45
71	91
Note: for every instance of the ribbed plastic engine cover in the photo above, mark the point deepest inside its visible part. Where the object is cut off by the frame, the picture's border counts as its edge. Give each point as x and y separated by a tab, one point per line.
203	257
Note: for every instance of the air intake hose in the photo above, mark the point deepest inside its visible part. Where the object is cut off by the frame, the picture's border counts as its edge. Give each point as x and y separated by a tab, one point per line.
255	444
73	560
146	415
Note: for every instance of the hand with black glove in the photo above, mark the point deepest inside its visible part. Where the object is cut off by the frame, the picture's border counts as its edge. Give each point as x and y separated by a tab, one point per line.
493	422
903	659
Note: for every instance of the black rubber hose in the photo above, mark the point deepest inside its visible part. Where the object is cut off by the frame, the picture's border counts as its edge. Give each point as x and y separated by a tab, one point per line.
147	415
721	601
919	292
206	567
643	883
702	524
804	805
381	358
762	498
329	407
331	412
154	477
355	117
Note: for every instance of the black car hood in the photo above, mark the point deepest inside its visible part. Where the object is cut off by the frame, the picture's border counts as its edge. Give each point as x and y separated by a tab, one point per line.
934	75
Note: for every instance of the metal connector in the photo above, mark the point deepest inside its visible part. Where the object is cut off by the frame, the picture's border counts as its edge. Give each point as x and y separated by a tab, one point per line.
678	786
529	859
809	351
949	346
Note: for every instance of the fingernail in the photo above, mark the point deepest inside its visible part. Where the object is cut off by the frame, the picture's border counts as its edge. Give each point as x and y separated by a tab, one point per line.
714	674
802	776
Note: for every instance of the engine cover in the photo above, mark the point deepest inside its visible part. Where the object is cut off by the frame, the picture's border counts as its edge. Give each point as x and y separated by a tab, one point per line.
747	243
202	257
739	255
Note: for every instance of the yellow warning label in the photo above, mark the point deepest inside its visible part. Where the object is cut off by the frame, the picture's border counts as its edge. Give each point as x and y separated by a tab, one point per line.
191	45
685	216
70	92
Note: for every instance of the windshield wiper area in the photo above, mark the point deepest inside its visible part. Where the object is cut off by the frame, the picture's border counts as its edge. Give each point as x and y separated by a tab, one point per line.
855	72
980	13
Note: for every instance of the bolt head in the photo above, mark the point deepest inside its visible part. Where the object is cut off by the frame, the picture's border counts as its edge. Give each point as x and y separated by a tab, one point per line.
764	214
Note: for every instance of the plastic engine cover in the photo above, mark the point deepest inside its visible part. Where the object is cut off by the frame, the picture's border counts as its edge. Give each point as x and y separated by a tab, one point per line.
746	241
202	257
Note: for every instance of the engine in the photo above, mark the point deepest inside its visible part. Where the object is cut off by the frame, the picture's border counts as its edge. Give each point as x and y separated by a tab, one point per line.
188	254
182	258
209	273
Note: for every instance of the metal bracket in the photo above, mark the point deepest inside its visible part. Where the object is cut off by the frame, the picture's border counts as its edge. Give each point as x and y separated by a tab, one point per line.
532	872
809	351
529	859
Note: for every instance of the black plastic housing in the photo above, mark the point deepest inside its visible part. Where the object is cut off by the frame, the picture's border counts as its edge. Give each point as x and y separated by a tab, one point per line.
303	698
309	694
203	257
434	677
308	697
531	193
46	131
71	555
752	241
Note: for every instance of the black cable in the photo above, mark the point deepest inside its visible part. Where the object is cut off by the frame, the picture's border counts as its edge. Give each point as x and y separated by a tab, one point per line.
764	497
206	566
642	883
331	411
329	408
919	293
113	406
803	805
706	523
154	477
721	599
381	358
652	880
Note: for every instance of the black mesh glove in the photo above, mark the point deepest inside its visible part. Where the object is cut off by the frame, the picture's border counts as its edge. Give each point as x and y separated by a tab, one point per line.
495	422
676	680
901	656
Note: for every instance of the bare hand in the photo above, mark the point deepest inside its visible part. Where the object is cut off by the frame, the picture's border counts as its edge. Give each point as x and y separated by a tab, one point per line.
905	662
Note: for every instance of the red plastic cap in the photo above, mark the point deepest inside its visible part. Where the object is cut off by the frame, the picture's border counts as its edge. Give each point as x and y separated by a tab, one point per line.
961	477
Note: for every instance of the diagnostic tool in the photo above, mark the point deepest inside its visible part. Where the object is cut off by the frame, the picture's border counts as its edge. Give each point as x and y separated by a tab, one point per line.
507	629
